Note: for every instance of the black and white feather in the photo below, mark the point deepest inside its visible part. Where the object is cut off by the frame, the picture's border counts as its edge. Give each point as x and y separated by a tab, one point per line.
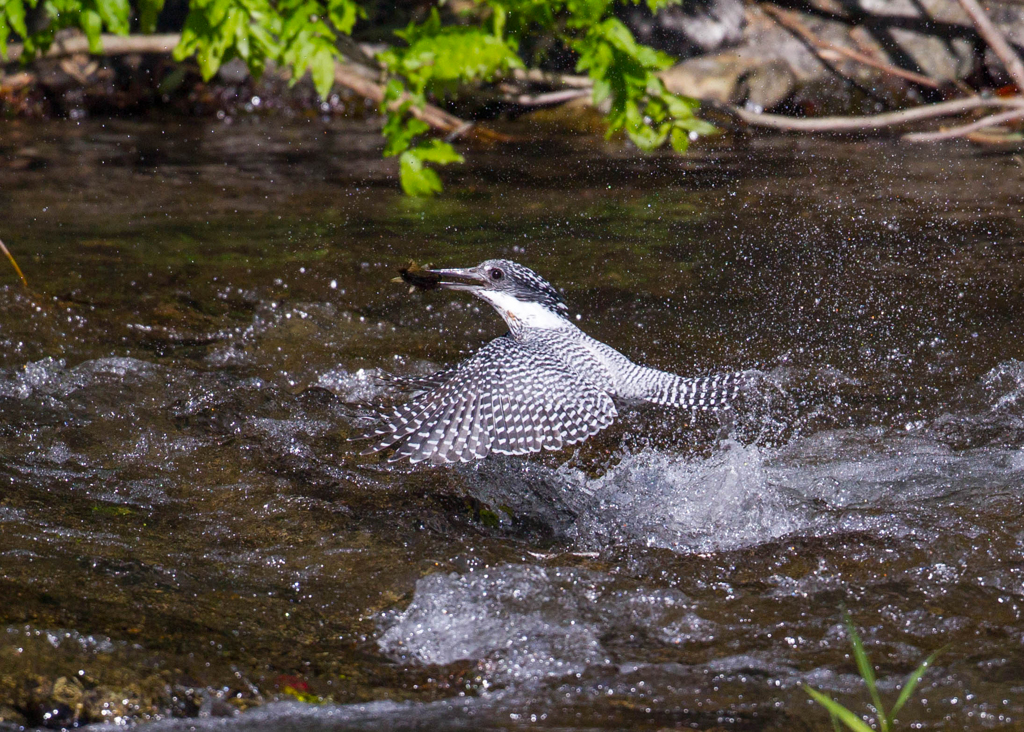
543	386
511	398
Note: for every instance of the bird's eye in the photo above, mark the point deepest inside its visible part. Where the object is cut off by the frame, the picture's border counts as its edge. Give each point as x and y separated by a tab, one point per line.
497	274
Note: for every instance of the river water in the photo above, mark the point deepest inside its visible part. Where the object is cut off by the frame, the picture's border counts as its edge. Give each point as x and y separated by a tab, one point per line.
189	537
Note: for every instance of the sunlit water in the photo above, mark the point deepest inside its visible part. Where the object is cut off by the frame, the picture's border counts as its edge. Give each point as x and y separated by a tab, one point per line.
186	529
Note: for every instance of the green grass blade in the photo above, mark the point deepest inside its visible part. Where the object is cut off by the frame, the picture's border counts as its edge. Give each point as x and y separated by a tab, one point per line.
13	263
851	720
867	672
835	722
911	683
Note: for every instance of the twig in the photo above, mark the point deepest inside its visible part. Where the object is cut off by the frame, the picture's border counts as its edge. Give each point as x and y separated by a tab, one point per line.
876	121
994	38
346	75
949	134
112	46
550	98
835	53
462	131
537	76
15	264
831	52
812	42
995	138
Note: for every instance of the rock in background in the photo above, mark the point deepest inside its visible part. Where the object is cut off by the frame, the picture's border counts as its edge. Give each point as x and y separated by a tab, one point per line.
742	54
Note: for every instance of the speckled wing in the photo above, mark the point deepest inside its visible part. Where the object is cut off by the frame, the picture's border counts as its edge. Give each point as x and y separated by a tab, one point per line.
419	384
510	398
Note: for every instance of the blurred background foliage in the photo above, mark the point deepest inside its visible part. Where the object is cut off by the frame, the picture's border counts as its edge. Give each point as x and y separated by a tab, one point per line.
426	51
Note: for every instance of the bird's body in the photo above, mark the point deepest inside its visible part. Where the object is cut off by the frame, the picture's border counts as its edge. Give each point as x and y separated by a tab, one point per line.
544	385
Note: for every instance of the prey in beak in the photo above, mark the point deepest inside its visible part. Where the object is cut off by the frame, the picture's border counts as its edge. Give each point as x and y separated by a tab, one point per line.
443	279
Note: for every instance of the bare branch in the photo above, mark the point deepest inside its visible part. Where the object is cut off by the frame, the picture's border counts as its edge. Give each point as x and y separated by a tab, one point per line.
112	45
810	40
348	76
876	121
991	120
548	99
831	52
835	53
545	77
993	37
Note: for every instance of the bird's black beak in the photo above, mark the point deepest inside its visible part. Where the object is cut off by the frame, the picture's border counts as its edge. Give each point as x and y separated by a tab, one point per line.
459	279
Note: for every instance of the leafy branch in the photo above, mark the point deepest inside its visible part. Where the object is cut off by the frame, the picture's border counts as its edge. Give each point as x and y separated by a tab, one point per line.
625	73
37	21
432	58
436	58
440	58
301	35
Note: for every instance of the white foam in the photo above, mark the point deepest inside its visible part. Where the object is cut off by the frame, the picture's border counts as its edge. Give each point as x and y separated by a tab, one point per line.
513	618
527	623
352	386
1005	384
660	500
52	377
888	482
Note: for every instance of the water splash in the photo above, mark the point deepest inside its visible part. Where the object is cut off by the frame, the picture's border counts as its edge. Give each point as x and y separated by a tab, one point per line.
1005	384
722	502
887	482
527	623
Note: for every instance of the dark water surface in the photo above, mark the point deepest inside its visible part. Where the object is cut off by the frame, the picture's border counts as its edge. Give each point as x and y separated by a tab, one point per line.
185	529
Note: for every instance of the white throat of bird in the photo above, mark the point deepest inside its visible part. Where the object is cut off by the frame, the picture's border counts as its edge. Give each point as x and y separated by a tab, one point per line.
522	314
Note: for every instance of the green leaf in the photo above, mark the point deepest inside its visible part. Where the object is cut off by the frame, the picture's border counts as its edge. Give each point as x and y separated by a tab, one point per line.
624	71
676	105
851	720
15	12
344	14
694	124
218	30
586	12
438	59
5	30
393	91
867	671
438	151
322	70
416	179
114	14
92	26
680	139
911	683
642	134
602	90
399	131
498	21
443	55
149	12
656	5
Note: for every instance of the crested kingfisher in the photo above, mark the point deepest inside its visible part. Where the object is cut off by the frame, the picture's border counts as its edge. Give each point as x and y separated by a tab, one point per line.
543	385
